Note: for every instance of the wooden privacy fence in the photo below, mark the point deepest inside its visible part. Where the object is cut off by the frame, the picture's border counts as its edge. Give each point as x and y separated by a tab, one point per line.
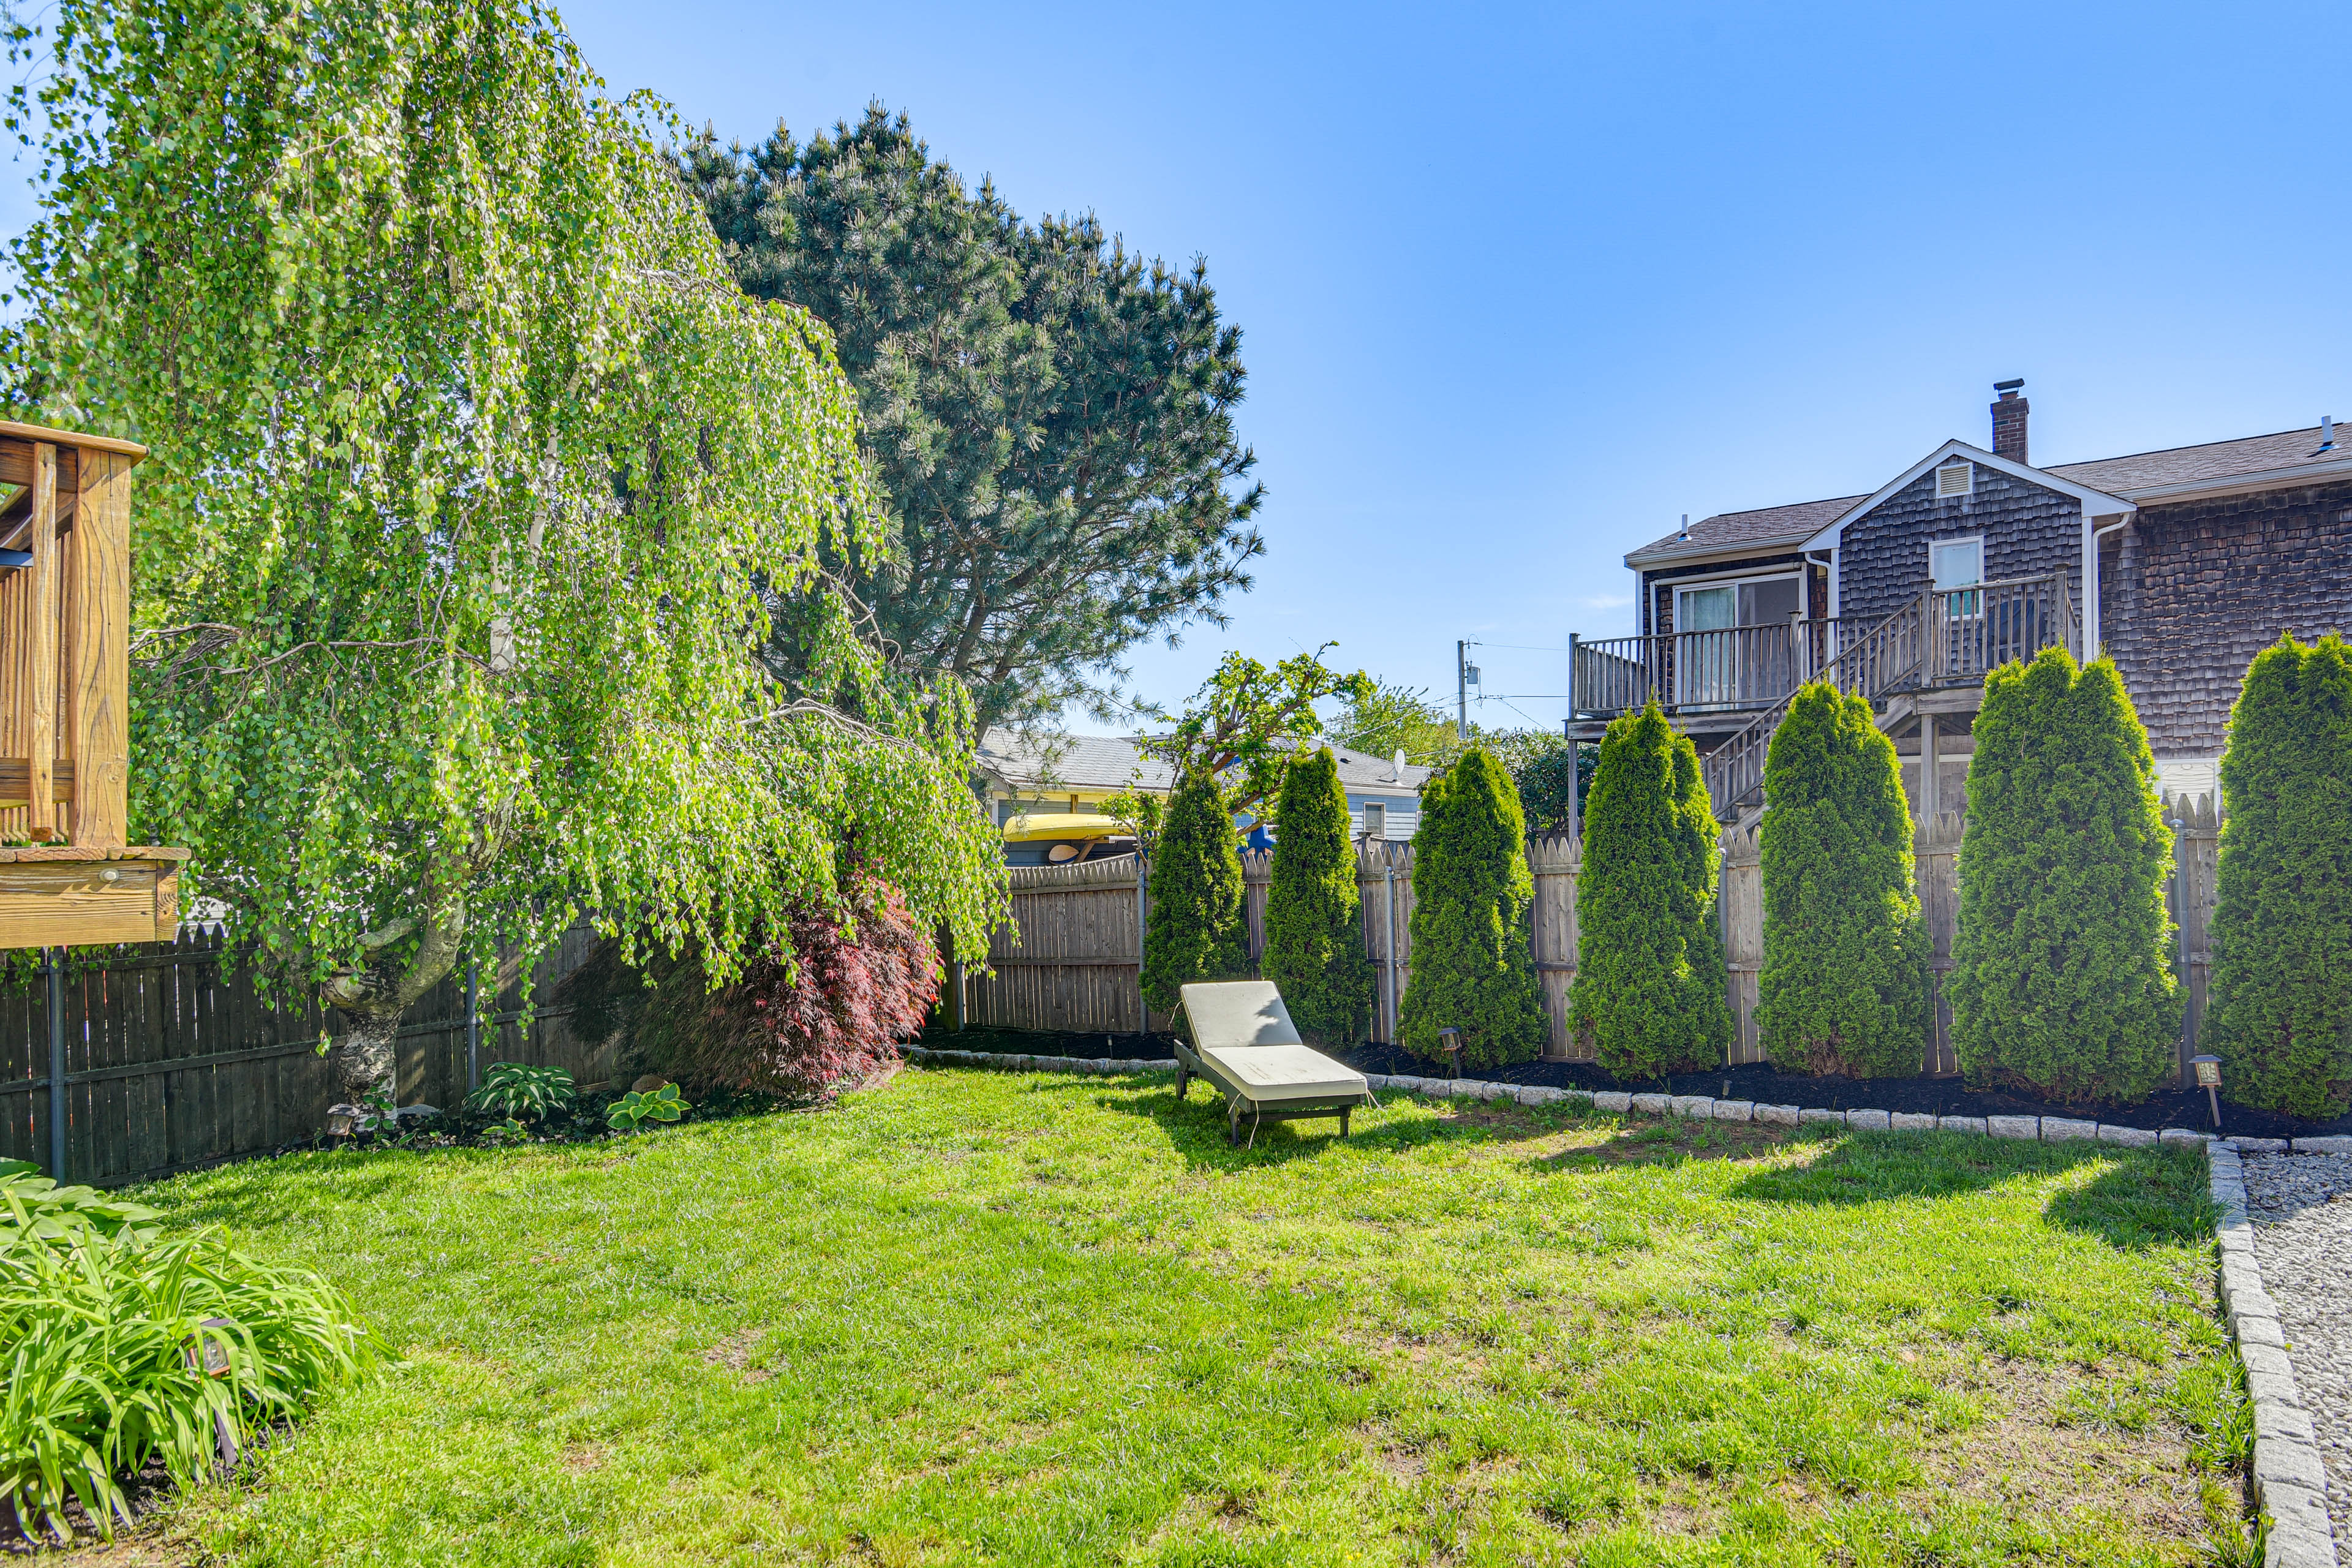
1071	959
173	1060
1071	955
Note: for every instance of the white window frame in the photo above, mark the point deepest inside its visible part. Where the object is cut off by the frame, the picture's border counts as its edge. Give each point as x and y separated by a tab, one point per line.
1953	607
1735	580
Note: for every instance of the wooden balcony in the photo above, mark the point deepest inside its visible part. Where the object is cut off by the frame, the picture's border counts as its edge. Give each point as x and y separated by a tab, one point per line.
1930	656
68	874
1715	674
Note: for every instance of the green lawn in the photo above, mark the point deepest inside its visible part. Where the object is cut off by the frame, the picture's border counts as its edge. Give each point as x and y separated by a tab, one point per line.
979	1317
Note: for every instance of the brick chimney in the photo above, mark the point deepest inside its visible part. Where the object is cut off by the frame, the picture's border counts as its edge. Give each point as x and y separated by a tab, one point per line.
2009	413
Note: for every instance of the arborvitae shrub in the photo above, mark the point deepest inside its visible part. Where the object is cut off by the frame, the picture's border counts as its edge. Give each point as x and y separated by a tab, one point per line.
1314	927
2281	1015
859	980
1649	959
1195	931
1472	896
1844	985
2061	981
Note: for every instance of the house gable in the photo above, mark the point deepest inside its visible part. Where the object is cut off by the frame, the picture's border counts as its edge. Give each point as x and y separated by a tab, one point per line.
2030	522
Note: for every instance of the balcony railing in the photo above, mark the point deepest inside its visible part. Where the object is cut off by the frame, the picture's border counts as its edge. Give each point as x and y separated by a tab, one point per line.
1737	669
1938	638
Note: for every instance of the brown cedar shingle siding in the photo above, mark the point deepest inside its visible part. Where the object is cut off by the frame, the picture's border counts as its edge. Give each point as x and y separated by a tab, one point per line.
1883	558
2197	590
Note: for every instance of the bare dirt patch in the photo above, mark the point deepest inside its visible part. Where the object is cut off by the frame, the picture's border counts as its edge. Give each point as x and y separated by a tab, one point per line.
735	1351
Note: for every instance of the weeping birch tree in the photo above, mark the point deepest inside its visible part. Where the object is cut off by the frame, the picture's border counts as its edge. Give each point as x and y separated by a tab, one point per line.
475	484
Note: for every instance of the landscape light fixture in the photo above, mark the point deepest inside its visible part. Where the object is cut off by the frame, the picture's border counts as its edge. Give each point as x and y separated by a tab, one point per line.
2209	1078
1449	1040
206	1353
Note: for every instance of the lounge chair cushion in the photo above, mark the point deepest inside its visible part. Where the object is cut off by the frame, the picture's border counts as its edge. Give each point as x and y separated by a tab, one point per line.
1269	1073
1242	1027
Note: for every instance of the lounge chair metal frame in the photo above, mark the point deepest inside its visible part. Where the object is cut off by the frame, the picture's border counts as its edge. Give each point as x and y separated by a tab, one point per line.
1257	1110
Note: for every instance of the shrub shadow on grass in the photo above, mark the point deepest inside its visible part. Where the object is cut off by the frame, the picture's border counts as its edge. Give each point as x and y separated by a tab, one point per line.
2139	1198
1672	1140
1196	1127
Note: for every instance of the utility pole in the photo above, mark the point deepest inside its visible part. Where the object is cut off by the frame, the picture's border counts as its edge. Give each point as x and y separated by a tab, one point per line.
1462	692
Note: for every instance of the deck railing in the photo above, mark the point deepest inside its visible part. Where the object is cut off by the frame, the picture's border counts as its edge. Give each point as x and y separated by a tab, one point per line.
1726	671
1940	637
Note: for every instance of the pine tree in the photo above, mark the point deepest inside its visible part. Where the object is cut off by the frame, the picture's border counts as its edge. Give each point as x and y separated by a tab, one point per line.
2061	981
1314	928
1195	931
1844	985
1650	977
1472	896
2281	1004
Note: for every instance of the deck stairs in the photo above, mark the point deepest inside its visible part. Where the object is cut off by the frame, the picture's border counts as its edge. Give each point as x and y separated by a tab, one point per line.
1931	655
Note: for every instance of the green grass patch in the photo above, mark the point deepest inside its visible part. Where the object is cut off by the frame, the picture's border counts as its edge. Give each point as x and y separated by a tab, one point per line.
979	1317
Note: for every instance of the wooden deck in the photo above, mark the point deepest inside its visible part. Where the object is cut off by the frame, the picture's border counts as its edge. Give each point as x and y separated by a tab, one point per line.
1729	689
65	699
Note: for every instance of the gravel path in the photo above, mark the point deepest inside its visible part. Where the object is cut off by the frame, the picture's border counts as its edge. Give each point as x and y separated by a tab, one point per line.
2301	1205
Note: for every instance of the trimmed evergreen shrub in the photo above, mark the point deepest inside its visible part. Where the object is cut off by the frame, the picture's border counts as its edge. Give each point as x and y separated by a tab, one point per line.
1472	898
1844	985
2061	981
1195	931
1314	928
1649	960
2280	1011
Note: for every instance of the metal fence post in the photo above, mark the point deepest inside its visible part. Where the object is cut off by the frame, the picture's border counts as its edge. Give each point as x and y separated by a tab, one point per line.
56	974
473	1028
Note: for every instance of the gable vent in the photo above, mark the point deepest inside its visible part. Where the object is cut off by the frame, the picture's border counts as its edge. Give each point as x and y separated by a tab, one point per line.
1957	479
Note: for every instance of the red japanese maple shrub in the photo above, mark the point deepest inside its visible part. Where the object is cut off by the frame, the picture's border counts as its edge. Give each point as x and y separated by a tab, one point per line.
828	1021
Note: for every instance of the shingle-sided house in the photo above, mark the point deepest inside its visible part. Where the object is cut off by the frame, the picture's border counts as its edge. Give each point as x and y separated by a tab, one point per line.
2183	564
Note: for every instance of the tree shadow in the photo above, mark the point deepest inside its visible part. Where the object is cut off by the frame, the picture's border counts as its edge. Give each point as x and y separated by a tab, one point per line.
2139	1197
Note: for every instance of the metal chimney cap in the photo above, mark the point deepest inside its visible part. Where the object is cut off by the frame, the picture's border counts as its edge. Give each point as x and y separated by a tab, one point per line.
2009	385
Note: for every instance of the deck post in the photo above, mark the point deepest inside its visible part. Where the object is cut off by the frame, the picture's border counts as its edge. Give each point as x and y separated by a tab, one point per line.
97	582
57	978
40	632
1931	769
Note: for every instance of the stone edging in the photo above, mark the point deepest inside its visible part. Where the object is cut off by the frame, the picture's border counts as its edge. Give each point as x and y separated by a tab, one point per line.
2290	1481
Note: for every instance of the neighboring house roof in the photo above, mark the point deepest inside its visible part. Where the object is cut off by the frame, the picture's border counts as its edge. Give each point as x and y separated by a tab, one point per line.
2146	478
1112	762
1361	774
1789	525
1070	762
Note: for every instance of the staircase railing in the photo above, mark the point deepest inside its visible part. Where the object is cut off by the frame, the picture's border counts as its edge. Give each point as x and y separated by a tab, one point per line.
1938	638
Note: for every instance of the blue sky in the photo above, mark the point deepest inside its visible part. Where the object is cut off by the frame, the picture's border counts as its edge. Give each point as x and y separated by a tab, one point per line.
1519	286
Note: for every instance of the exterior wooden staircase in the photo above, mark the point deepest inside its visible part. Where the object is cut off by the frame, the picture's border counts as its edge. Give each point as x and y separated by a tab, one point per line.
1931	655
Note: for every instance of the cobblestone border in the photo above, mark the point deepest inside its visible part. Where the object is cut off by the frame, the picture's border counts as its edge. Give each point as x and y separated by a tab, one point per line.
2290	1482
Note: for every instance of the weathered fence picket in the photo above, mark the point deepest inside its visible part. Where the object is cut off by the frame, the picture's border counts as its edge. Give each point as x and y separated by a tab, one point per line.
173	1060
1075	965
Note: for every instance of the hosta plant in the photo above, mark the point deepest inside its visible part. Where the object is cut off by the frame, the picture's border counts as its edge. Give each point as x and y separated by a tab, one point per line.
514	1090
33	1207
636	1108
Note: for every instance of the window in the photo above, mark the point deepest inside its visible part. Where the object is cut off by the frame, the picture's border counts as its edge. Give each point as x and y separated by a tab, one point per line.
1719	606
1957	563
1953	564
1376	820
1955	480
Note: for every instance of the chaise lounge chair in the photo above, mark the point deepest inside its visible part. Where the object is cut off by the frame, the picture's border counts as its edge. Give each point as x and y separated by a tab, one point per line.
1245	1043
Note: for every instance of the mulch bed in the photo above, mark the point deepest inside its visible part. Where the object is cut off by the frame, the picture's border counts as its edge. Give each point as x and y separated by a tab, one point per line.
1938	1096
